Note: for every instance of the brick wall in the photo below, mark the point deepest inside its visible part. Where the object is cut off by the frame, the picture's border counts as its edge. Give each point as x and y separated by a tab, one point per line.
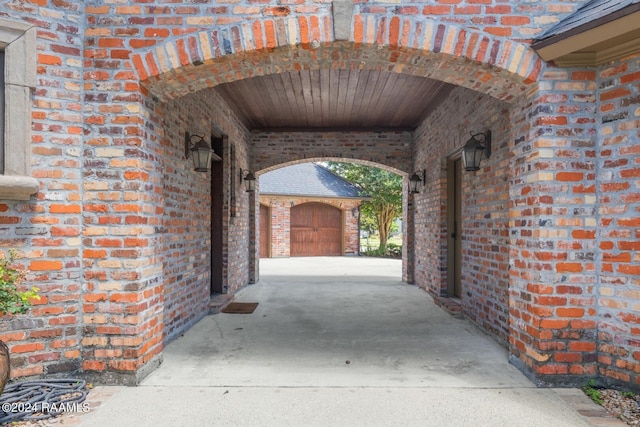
281	222
48	228
390	149
186	215
485	214
617	232
106	150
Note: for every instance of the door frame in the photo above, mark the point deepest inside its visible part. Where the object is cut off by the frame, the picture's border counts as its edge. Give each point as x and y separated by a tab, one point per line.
454	226
218	282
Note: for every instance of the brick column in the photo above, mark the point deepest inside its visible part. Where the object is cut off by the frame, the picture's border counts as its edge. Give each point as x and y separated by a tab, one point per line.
552	225
123	289
254	237
618	233
123	206
408	233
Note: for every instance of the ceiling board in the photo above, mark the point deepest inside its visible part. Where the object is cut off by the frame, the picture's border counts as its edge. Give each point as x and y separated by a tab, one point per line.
334	99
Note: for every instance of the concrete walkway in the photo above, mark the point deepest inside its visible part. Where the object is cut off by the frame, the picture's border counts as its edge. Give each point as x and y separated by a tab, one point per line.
336	342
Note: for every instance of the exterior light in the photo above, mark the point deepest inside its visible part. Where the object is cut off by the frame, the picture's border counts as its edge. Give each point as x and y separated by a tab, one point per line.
415	180
249	180
200	151
474	149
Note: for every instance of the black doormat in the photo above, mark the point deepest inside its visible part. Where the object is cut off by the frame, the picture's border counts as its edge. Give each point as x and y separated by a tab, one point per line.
240	307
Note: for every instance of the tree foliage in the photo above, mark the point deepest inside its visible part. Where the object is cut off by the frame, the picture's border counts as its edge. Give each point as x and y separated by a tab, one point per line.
385	190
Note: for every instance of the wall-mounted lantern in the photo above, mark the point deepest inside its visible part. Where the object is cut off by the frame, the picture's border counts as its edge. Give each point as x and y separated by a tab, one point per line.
474	149
416	181
200	152
249	180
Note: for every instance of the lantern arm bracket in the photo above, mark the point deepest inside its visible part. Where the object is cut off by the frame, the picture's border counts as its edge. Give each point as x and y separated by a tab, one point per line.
486	140
189	146
476	147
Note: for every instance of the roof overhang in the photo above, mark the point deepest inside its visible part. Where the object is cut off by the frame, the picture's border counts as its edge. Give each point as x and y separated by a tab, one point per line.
601	40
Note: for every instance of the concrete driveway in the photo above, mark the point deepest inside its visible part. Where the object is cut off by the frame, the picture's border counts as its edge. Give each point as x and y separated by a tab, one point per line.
338	342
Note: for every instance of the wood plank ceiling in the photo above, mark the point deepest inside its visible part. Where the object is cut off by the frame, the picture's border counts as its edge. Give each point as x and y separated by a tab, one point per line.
334	100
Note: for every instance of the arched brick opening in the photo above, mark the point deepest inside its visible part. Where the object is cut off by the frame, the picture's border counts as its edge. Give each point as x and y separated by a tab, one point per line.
473	59
401	166
176	76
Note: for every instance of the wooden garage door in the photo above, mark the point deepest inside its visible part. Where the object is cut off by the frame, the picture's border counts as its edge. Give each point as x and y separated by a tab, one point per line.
265	236
316	230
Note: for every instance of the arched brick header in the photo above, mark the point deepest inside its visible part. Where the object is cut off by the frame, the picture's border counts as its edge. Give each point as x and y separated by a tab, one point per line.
424	47
333	159
391	151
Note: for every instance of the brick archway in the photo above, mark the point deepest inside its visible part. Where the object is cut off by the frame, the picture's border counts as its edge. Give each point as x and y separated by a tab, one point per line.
176	71
183	67
401	166
476	60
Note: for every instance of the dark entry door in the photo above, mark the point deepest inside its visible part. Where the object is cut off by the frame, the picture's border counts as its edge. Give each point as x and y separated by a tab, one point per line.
265	228
454	222
316	230
217	206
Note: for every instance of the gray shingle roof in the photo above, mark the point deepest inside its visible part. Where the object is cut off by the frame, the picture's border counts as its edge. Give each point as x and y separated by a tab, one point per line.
593	10
307	179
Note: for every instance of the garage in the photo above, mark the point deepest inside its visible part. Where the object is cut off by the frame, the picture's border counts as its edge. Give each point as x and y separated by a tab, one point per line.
307	210
316	230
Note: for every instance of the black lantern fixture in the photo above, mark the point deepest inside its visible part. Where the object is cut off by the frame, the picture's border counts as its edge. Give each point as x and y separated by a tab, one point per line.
249	180
415	180
474	149
200	151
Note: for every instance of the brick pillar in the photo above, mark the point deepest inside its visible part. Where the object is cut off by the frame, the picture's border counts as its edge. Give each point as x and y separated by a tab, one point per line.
123	289
123	205
408	233
618	191
552	225
254	237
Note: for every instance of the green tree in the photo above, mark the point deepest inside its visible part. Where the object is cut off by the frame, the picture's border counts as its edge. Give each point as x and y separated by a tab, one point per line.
385	190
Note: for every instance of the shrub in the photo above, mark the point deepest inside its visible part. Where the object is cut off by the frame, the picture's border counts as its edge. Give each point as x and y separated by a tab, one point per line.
12	300
390	251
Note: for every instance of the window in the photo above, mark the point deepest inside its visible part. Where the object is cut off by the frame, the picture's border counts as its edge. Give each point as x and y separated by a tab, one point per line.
18	46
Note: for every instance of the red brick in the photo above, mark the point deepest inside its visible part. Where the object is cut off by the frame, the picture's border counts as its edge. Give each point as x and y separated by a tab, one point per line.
615	93
570	176
27	348
569	267
436	10
570	312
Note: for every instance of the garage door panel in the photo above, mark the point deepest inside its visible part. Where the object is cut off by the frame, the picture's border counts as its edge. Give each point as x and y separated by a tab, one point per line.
265	235
328	217
316	230
302	216
302	242
329	241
